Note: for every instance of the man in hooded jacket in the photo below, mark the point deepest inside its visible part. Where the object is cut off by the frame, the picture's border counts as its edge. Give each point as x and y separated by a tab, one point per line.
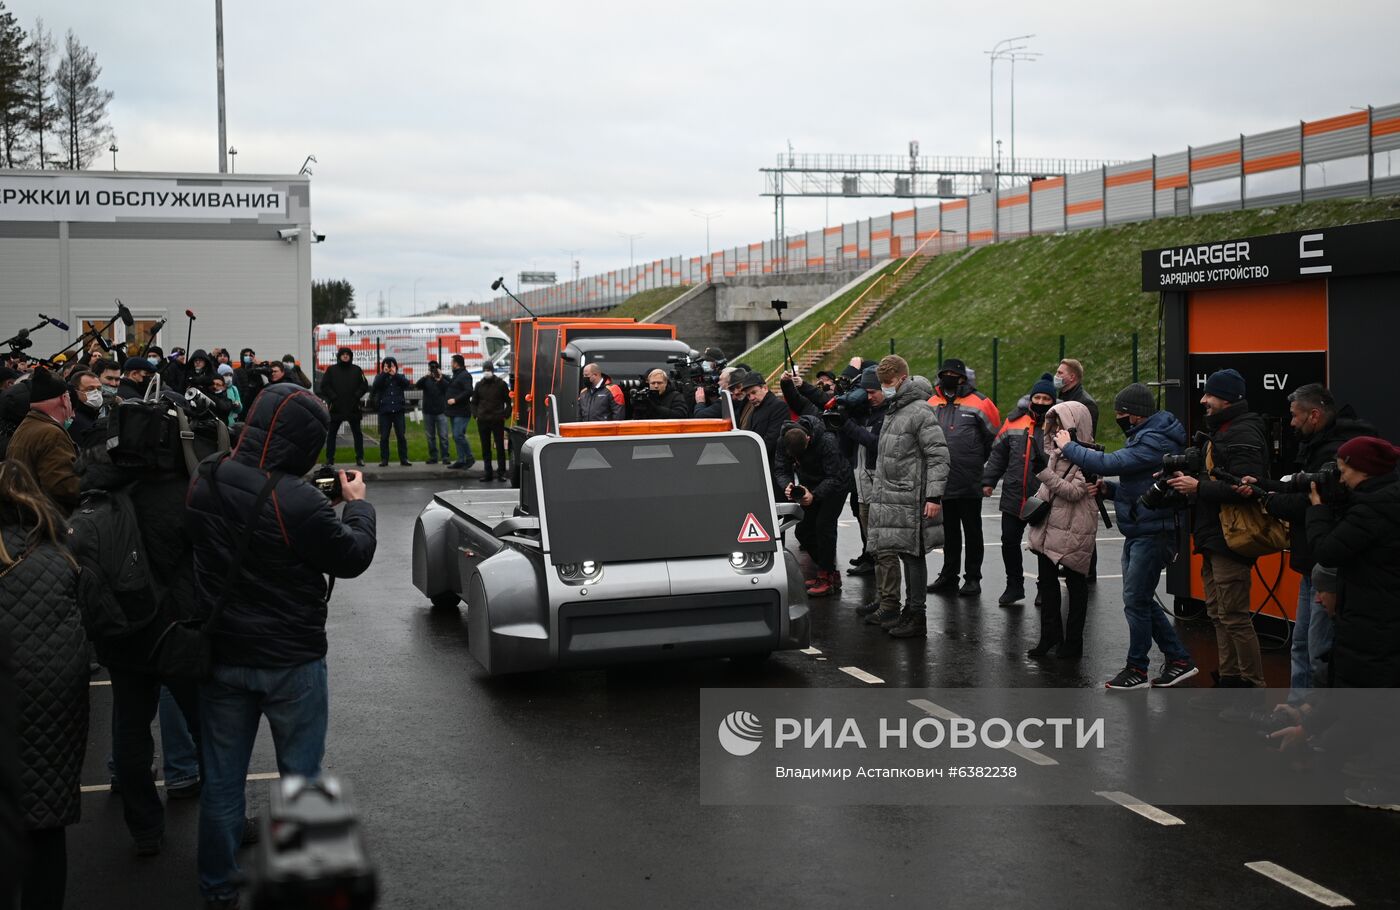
342	387
810	458
911	473
269	641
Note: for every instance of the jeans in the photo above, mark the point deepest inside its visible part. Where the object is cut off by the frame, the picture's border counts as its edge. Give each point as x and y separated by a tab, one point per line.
436	426
356	431
1012	530
915	582
962	518
1312	642
492	433
296	703
179	754
1144	558
459	437
393	422
1227	584
136	698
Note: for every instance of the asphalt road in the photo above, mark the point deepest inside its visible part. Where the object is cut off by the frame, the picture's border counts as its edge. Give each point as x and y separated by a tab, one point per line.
580	789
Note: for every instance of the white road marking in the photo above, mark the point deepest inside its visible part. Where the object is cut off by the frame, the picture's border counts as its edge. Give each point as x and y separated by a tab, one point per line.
942	713
1324	896
811	651
100	682
261	775
1127	801
863	676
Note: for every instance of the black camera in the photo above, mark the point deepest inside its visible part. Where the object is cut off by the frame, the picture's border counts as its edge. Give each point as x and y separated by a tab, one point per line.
1160	495
851	403
778	305
798	492
311	853
327	480
1327	478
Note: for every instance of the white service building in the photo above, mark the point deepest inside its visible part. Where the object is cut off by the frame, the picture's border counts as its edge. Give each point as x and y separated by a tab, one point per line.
73	243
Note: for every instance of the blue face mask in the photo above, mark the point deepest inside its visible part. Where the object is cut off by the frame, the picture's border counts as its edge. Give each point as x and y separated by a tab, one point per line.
889	390
153	360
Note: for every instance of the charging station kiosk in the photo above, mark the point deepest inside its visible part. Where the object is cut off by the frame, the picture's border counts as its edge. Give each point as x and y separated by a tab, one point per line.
1320	305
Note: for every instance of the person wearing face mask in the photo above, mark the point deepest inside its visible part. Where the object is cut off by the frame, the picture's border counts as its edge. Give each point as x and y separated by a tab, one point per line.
293	371
174	373
41	443
969	421
1069	386
1239	444
230	392
248	378
1018	455
88	426
1149	534
200	374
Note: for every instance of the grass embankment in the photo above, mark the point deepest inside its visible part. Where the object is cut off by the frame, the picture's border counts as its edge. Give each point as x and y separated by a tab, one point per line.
1084	285
766	356
643	303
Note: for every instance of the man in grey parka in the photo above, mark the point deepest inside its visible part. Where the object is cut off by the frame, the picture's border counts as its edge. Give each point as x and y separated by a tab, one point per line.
911	471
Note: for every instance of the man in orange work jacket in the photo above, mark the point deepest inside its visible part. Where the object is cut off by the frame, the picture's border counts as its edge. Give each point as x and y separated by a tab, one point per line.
969	420
1017	456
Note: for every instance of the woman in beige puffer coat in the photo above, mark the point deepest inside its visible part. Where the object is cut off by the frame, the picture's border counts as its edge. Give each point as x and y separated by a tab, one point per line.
1065	539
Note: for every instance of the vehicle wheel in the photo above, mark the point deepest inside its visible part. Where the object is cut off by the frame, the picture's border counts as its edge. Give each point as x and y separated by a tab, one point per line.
448	600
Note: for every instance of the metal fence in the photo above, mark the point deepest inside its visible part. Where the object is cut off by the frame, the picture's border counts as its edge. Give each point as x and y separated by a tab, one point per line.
1350	155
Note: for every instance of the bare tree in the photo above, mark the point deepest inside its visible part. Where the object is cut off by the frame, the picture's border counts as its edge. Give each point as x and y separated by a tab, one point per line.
38	85
82	105
14	97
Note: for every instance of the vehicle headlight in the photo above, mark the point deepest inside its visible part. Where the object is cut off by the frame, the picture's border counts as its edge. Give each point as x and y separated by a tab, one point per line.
580	572
738	560
749	563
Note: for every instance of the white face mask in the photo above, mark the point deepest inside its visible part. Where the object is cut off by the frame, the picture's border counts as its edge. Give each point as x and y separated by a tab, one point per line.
93	397
889	390
1059	382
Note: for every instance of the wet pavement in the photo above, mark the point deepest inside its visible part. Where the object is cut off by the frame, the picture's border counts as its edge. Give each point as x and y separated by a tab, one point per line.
580	789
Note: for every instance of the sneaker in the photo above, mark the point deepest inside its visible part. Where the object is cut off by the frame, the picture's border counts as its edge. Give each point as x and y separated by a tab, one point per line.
470	462
1011	596
1128	678
867	609
188	790
1173	672
971	588
943	584
823	585
431	461
861	569
881	617
1374	795
913	625
457	466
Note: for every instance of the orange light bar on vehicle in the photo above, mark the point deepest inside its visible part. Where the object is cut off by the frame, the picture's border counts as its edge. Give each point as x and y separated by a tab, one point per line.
644	427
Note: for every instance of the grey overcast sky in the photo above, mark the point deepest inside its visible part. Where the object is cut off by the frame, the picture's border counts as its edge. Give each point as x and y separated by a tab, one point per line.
459	141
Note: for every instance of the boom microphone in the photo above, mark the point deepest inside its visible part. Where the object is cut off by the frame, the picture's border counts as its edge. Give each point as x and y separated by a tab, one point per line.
56	323
125	314
496	285
190	313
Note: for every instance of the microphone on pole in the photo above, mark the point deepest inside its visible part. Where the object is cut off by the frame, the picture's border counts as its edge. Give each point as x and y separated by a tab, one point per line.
500	284
125	315
56	323
189	333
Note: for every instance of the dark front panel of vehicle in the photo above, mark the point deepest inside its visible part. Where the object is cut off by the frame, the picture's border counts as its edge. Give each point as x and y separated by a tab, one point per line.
663	628
628	499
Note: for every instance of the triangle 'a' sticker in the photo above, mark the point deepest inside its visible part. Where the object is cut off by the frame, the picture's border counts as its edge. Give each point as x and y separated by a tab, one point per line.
752	531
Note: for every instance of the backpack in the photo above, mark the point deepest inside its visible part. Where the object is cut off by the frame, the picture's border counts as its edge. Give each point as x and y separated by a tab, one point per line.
122	595
1249	530
156	431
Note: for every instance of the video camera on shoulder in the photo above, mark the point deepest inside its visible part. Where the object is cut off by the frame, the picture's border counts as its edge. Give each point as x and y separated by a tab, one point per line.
311	853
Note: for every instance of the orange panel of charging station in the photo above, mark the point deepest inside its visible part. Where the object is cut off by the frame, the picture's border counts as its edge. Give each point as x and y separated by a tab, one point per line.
1274	318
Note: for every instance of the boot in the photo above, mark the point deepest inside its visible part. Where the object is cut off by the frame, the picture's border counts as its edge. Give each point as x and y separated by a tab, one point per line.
867	609
971	588
883	618
913	625
943	584
1013	594
864	566
1051	633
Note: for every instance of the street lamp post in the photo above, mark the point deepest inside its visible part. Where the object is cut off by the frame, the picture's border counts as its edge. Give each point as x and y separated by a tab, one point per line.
232	163
113	149
1029	58
631	247
707	216
998	52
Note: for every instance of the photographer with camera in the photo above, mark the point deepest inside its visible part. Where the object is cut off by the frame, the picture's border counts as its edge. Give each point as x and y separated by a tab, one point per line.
969	421
1322	428
1150	539
200	374
269	637
911	468
659	400
708	404
1017	456
812	472
249	378
435	422
1239	444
